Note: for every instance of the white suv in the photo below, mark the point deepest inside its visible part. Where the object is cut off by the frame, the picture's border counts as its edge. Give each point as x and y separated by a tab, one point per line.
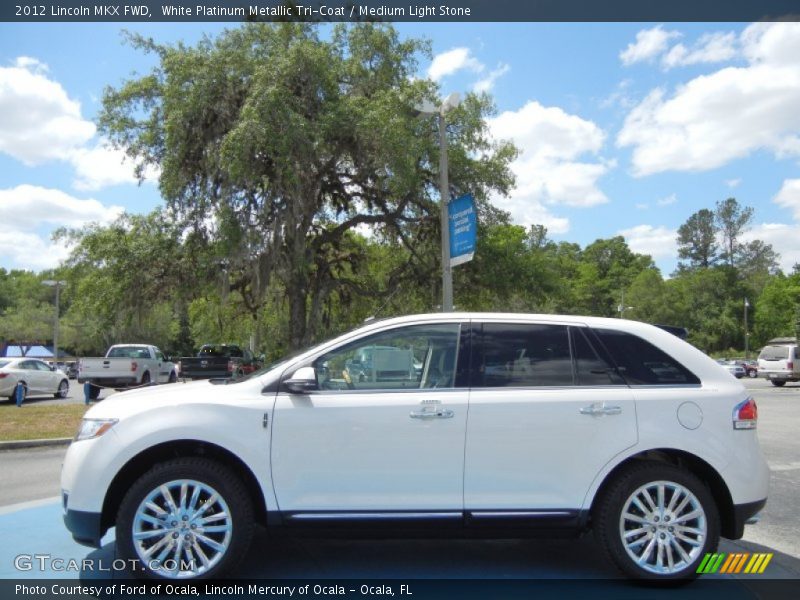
489	425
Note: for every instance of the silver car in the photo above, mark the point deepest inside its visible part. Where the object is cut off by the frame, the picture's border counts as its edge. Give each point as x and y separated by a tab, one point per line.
733	368
35	377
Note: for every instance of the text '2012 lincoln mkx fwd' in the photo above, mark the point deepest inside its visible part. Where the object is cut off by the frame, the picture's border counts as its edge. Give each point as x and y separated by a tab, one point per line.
472	425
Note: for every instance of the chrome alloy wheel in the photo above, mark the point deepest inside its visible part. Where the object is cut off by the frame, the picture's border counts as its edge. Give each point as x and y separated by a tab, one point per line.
663	527
182	529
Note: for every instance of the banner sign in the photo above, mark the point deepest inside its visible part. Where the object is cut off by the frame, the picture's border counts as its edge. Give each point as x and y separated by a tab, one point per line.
463	229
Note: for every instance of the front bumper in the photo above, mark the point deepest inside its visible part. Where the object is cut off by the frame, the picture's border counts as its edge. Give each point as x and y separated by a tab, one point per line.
85	527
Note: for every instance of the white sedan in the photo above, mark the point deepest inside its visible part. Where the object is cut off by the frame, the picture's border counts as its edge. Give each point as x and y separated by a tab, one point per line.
35	377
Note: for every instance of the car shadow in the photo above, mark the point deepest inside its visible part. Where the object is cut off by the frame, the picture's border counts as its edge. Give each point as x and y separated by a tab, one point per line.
553	563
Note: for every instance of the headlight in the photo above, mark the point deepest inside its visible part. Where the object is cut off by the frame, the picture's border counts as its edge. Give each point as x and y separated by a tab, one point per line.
92	428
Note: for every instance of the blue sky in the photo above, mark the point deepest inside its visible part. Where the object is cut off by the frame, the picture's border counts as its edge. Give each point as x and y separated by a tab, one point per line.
625	129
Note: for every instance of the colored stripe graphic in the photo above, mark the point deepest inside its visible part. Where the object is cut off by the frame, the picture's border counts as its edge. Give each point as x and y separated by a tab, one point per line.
734	563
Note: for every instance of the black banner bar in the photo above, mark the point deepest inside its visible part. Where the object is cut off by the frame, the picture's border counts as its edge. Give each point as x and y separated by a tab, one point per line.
401	10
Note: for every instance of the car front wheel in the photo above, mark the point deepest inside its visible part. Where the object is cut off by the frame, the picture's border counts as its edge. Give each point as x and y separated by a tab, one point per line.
657	522
188	518
63	389
778	382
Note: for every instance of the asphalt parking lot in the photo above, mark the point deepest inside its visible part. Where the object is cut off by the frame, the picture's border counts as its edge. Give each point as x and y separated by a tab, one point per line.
30	522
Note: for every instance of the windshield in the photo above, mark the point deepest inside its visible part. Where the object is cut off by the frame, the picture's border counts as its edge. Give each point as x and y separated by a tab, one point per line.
285	359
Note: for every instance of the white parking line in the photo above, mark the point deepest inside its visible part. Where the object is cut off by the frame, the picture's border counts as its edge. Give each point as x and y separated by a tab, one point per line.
4	510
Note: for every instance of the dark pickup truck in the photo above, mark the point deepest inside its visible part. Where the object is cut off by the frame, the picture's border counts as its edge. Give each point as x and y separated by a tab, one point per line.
218	360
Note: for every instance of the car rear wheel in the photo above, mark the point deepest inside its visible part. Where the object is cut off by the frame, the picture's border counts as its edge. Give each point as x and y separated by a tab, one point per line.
752	373
657	522
63	389
778	383
173	377
188	518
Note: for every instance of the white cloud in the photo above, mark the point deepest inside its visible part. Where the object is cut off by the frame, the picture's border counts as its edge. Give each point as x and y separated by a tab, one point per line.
104	166
733	183
785	240
789	197
726	115
667	200
28	213
649	44
710	48
487	83
31	251
658	242
452	61
38	121
549	170
620	96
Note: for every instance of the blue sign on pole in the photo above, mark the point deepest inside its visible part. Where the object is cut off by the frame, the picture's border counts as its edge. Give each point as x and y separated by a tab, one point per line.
463	229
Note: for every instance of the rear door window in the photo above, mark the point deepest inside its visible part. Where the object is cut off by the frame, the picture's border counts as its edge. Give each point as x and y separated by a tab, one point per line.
642	363
523	355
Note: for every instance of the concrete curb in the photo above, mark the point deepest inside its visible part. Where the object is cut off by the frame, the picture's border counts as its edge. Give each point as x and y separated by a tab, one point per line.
19	444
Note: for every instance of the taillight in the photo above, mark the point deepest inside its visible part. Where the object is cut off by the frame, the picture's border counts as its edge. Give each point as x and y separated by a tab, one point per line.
790	365
3	375
230	366
745	415
134	366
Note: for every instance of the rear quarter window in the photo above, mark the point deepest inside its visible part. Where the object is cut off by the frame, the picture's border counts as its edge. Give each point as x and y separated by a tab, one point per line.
642	363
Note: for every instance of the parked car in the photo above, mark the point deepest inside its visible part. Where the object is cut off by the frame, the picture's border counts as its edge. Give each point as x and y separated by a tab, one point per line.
125	366
218	360
575	423
33	376
779	361
750	367
733	367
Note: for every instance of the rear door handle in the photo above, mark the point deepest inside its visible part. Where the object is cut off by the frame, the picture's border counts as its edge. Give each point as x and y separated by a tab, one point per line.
597	410
439	413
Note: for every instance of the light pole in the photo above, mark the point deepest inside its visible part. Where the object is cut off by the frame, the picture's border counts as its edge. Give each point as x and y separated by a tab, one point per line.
57	285
427	108
746	333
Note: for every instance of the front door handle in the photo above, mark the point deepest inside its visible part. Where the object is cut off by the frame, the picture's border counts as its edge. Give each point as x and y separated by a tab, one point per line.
601	409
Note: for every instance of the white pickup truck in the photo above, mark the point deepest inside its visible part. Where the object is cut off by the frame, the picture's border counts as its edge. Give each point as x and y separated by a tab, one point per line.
125	366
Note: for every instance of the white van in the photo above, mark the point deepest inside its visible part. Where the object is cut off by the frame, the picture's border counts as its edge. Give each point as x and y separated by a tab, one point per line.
778	361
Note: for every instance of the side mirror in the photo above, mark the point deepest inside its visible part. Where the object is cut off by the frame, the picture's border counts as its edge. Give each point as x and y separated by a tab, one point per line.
53	368
303	381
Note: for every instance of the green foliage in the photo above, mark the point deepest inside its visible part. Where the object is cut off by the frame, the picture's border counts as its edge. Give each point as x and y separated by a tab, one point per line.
274	144
777	308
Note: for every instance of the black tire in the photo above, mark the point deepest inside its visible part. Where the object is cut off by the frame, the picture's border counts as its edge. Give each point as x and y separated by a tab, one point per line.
777	382
173	377
608	523
94	392
63	389
145	378
205	472
752	373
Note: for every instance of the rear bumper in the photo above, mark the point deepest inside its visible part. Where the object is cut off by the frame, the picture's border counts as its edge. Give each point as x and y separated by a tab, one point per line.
741	514
85	527
117	382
